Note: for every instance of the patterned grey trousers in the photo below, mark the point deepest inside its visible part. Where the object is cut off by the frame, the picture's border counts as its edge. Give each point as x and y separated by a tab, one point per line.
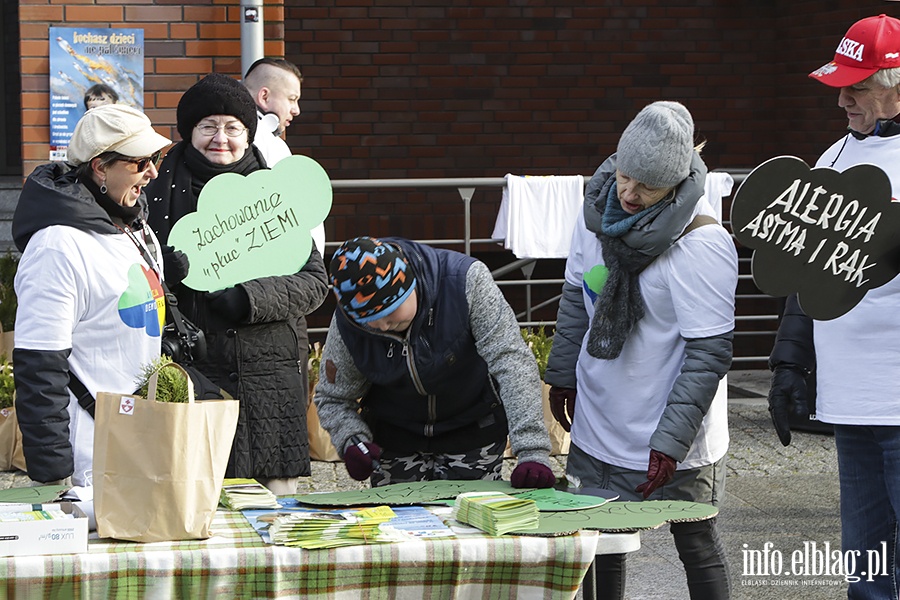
481	463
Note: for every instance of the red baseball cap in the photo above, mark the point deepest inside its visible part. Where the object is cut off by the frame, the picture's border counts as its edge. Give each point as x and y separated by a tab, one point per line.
870	44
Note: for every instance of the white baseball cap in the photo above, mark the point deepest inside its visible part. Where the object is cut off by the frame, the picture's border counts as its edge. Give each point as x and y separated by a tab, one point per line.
113	128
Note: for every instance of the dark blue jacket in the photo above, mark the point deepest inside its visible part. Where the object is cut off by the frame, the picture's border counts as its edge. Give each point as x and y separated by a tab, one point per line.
431	391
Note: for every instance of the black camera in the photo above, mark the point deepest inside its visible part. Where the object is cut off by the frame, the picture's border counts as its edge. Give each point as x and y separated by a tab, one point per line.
183	344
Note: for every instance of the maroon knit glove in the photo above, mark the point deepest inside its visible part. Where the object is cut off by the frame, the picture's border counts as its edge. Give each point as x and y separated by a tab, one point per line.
532	474
659	472
360	466
562	405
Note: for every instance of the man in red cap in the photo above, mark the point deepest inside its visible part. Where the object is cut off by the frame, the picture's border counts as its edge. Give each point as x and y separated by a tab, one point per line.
854	360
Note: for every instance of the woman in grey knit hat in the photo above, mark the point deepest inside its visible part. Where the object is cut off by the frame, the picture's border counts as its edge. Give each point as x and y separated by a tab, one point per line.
644	338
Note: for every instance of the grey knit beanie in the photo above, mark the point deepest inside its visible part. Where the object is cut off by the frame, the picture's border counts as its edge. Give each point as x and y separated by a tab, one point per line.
657	146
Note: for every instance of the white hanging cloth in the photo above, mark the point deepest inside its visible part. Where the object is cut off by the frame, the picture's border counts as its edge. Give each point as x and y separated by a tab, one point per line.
538	213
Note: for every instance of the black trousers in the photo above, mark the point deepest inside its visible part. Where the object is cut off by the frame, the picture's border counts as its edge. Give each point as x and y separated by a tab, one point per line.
701	552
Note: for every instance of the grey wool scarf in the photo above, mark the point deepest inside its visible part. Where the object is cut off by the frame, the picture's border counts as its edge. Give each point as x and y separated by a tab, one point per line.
620	304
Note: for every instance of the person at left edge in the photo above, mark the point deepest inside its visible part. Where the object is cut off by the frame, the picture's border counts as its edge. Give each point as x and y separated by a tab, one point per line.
425	337
256	335
89	302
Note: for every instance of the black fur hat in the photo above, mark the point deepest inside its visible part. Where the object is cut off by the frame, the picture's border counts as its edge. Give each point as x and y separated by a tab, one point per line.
216	94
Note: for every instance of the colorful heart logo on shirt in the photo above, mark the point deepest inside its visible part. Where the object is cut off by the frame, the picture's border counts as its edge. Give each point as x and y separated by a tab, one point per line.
594	280
142	304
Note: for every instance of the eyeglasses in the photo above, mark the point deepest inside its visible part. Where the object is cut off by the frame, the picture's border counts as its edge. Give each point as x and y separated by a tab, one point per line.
231	130
144	163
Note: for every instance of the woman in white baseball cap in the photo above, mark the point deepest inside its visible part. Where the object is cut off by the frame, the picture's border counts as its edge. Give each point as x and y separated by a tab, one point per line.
90	307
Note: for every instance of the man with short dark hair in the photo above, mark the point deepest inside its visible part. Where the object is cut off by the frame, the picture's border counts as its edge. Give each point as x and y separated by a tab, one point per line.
274	84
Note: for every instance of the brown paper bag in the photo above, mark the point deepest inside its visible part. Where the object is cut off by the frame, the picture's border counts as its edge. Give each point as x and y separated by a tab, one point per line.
159	466
9	425
559	437
320	446
7	343
18	459
12	456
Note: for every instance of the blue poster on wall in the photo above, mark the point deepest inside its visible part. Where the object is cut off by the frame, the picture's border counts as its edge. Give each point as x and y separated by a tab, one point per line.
91	66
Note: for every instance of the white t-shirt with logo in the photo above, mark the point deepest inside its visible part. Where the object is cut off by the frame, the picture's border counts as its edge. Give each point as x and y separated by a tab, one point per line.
688	292
858	354
94	294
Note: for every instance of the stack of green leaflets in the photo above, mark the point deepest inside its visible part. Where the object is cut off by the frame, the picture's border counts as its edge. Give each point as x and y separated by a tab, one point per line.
331	529
238	494
495	512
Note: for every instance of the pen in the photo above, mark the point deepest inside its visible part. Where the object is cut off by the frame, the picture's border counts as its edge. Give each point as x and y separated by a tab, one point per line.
356	441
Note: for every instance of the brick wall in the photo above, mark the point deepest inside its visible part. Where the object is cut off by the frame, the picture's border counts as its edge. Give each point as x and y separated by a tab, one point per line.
182	42
480	89
472	89
422	89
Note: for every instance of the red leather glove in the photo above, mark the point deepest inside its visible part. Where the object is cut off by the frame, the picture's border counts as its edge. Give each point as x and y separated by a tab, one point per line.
532	474
360	466
659	472
562	405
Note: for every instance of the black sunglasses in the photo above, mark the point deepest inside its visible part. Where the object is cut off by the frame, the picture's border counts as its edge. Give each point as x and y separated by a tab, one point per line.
144	163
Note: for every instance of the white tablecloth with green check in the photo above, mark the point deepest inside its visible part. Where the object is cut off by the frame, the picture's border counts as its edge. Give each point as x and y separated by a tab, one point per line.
236	563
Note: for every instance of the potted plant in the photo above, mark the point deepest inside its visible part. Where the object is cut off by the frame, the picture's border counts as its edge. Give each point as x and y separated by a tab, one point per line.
171	384
540	344
9	263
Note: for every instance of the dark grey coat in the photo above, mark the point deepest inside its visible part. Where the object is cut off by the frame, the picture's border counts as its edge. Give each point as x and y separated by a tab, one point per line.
263	363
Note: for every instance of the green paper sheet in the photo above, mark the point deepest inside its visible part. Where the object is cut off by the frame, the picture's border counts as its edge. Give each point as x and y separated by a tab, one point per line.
622	517
611	516
553	500
400	494
43	494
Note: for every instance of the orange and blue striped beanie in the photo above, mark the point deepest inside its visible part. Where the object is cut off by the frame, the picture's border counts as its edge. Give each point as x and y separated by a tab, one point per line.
370	278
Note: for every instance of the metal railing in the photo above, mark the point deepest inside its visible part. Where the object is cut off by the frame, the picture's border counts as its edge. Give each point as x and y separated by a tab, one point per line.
466	188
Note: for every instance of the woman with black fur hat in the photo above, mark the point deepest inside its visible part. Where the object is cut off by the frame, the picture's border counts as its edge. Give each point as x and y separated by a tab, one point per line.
256	331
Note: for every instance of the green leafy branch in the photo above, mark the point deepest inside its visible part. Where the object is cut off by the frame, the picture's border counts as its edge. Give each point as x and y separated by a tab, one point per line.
9	264
7	383
540	344
171	384
315	360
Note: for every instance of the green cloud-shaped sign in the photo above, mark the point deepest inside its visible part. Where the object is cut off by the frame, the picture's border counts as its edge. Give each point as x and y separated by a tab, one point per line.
253	226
